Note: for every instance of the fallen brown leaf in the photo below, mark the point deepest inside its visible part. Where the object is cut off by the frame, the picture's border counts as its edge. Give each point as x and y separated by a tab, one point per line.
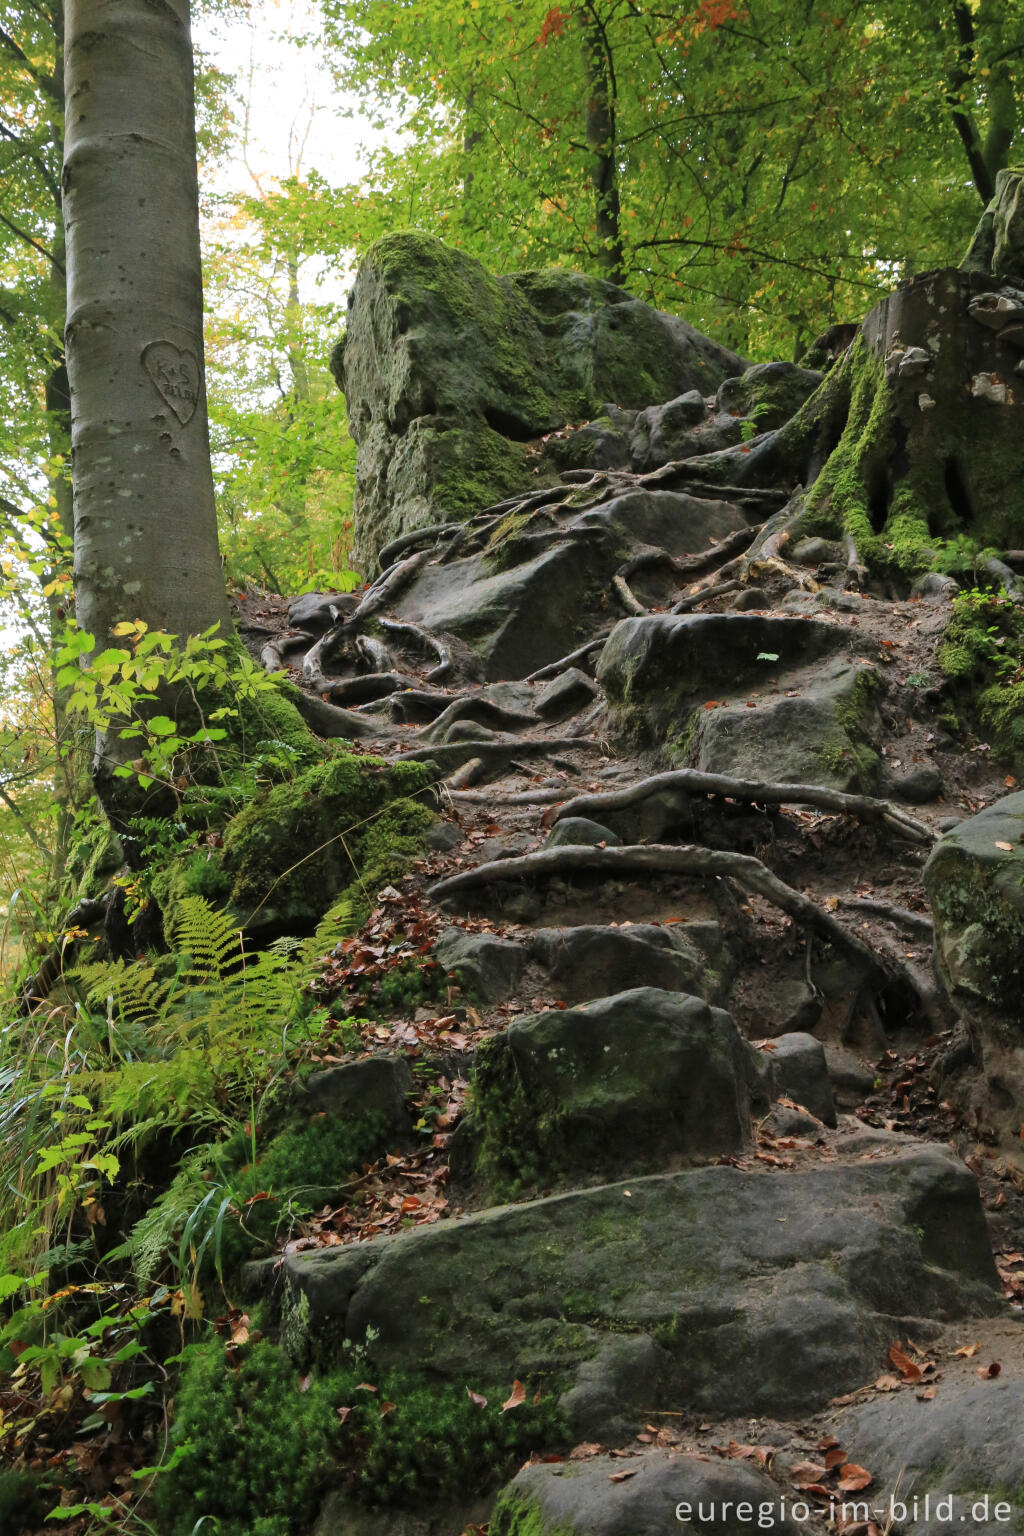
989	1372
516	1398
853	1478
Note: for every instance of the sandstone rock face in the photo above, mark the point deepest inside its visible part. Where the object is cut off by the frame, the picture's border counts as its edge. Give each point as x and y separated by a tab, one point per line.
449	372
967	1451
975	883
788	702
758	1293
581	1499
618	1085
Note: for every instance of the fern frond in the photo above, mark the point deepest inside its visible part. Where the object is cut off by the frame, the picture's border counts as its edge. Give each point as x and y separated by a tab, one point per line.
131	990
208	938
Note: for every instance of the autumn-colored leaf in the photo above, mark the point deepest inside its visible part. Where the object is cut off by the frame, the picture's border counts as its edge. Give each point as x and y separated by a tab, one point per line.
620	1477
927	1395
989	1372
364	1386
808	1471
474	1397
910	1372
888	1383
386	1408
835	1457
966	1352
584	1449
516	1398
1006	847
343	1414
853	1478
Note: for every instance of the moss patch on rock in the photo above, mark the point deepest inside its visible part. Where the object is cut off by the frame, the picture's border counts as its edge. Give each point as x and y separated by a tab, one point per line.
982	653
349	824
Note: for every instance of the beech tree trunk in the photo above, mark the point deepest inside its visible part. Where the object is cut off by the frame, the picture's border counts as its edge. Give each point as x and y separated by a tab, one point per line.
144	522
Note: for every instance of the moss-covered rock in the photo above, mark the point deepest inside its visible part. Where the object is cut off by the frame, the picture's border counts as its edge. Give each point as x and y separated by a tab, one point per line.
930	453
761	1293
449	370
975	883
617	1086
753	695
347	825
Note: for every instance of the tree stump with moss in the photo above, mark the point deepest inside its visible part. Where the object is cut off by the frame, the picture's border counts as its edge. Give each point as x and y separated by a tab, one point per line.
913	447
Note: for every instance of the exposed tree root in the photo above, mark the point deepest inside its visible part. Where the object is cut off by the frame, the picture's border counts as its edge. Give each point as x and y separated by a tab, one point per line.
574	658
694	599
901	916
390	553
527	797
856	570
733	543
663	859
368	687
692	782
313	662
330	722
376	655
387	587
626	598
491	751
426	642
482	712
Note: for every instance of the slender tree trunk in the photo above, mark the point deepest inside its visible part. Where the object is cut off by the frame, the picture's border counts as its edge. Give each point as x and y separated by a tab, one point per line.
602	141
145	527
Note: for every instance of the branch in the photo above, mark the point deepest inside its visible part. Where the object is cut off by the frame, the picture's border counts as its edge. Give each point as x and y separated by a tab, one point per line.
30	240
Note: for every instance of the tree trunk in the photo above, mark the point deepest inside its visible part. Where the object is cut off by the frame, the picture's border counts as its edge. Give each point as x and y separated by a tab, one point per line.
145	526
603	145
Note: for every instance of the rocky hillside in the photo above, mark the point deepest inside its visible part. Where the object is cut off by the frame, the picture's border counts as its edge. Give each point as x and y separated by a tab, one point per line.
694	1042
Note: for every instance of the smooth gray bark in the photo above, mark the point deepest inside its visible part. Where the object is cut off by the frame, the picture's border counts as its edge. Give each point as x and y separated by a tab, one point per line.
145	526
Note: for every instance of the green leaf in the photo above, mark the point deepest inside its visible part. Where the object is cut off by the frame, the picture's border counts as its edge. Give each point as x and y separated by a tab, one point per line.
161	725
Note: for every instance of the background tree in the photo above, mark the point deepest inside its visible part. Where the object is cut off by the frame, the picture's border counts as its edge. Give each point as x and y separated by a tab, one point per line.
772	165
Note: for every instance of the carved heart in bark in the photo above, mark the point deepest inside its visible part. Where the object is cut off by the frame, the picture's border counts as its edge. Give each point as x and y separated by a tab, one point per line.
176	376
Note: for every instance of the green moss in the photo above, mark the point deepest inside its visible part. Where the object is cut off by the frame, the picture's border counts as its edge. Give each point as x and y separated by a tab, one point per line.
854	715
982	653
887	481
259	1447
341	824
517	1515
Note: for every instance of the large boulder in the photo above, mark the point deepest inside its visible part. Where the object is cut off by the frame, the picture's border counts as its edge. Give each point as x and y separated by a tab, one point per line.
956	1463
755	696
648	1497
615	1086
975	884
449	371
759	1292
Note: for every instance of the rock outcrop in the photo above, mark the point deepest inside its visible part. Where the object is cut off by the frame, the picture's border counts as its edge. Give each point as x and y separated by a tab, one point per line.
689	1021
450	375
